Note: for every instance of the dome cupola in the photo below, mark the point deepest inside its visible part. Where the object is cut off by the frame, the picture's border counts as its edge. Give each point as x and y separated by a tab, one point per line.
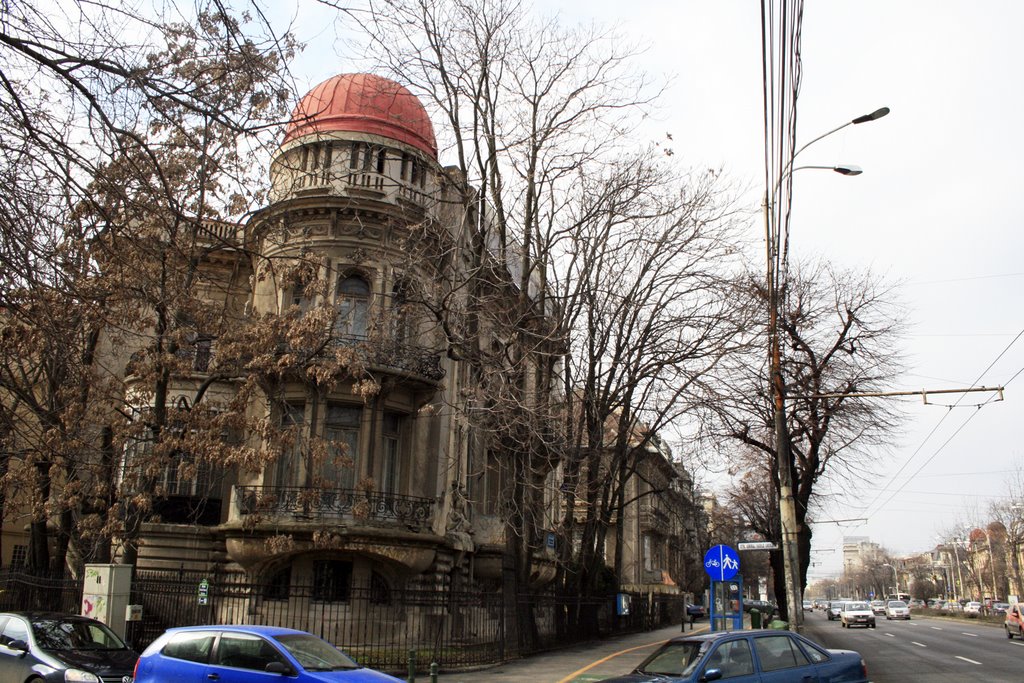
364	103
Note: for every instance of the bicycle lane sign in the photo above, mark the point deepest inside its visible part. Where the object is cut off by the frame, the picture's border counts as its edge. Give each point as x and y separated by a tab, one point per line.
721	563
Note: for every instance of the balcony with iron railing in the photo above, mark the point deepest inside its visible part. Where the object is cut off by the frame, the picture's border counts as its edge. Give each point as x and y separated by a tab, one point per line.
394	356
304	504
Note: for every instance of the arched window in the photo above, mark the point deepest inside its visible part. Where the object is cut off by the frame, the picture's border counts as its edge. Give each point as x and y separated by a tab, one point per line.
353	306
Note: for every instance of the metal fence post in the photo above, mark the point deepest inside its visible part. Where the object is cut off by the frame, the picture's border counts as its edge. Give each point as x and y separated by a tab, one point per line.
412	667
433	672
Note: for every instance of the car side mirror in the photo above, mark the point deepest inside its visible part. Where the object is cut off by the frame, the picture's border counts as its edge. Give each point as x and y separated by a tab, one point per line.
18	644
278	668
711	675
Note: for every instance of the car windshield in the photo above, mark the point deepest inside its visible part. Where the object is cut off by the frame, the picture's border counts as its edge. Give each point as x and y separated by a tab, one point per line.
674	659
897	603
314	654
851	606
74	634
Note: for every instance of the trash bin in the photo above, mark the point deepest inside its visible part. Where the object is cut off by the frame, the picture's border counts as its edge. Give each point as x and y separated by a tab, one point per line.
755	618
779	624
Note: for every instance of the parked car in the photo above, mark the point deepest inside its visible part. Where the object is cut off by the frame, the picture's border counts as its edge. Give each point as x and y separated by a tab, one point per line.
1000	608
857	613
52	647
1013	622
200	653
753	655
878	607
696	611
972	609
952	606
808	605
916	603
834	609
897	609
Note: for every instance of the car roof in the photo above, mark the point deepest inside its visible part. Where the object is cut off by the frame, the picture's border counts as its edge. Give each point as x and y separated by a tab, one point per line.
234	628
43	614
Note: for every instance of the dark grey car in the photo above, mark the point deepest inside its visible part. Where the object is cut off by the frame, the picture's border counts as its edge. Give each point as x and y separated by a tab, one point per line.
51	647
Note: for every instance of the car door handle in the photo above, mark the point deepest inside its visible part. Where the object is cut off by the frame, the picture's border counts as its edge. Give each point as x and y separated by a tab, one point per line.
213	677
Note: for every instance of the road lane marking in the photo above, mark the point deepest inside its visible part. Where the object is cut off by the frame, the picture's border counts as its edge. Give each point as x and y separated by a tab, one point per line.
968	660
918	644
892	636
580	672
972	635
937	628
1016	643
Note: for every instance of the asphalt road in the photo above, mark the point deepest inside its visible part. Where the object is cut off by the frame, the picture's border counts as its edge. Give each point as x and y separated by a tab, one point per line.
925	649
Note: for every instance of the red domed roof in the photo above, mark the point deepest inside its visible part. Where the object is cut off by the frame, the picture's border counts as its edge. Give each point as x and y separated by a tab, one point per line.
364	103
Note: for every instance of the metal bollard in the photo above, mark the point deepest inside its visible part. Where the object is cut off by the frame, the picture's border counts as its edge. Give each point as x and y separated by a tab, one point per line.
433	672
412	667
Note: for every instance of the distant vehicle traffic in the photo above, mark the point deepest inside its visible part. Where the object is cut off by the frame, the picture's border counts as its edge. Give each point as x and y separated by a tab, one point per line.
878	607
972	609
835	608
248	653
750	656
696	611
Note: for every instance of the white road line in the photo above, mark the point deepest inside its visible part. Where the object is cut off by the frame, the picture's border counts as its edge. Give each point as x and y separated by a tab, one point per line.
965	633
937	628
918	644
892	636
1016	643
968	660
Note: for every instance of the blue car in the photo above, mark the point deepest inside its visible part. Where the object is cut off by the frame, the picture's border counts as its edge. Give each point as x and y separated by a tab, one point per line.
248	654
747	657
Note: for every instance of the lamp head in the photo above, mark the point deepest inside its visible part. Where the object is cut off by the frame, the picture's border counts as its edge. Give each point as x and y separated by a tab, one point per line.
848	169
873	116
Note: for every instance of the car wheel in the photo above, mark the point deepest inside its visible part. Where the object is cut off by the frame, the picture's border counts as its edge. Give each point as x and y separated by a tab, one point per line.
1008	634
872	625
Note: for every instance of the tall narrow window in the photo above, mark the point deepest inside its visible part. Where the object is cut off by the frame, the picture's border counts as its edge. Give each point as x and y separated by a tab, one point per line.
401	323
392	427
342	434
353	155
293	417
327	161
353	307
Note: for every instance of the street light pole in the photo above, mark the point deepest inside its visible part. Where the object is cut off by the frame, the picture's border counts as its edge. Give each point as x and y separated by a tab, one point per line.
895	578
783	455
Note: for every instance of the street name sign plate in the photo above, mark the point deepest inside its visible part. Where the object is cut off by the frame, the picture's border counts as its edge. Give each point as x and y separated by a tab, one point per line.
758	545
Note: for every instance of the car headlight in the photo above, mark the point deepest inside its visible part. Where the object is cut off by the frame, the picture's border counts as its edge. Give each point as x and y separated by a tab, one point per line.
79	676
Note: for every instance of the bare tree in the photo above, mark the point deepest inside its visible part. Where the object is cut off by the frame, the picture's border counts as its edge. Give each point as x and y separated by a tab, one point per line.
840	332
591	305
128	138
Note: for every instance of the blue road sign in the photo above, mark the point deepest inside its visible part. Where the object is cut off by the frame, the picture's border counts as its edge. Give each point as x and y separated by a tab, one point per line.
721	563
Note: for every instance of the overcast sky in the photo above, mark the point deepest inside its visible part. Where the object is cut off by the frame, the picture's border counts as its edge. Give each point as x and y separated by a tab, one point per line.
936	208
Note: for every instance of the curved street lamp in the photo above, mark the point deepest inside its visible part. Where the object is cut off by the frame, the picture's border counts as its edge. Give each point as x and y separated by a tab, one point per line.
783	456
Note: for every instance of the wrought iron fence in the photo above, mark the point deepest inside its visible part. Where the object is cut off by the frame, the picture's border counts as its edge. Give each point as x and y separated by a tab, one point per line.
378	625
20	591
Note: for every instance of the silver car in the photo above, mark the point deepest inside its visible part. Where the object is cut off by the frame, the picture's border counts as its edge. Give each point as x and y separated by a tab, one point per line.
897	609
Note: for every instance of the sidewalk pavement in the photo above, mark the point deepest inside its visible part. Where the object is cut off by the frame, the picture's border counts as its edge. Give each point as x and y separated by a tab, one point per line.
581	663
